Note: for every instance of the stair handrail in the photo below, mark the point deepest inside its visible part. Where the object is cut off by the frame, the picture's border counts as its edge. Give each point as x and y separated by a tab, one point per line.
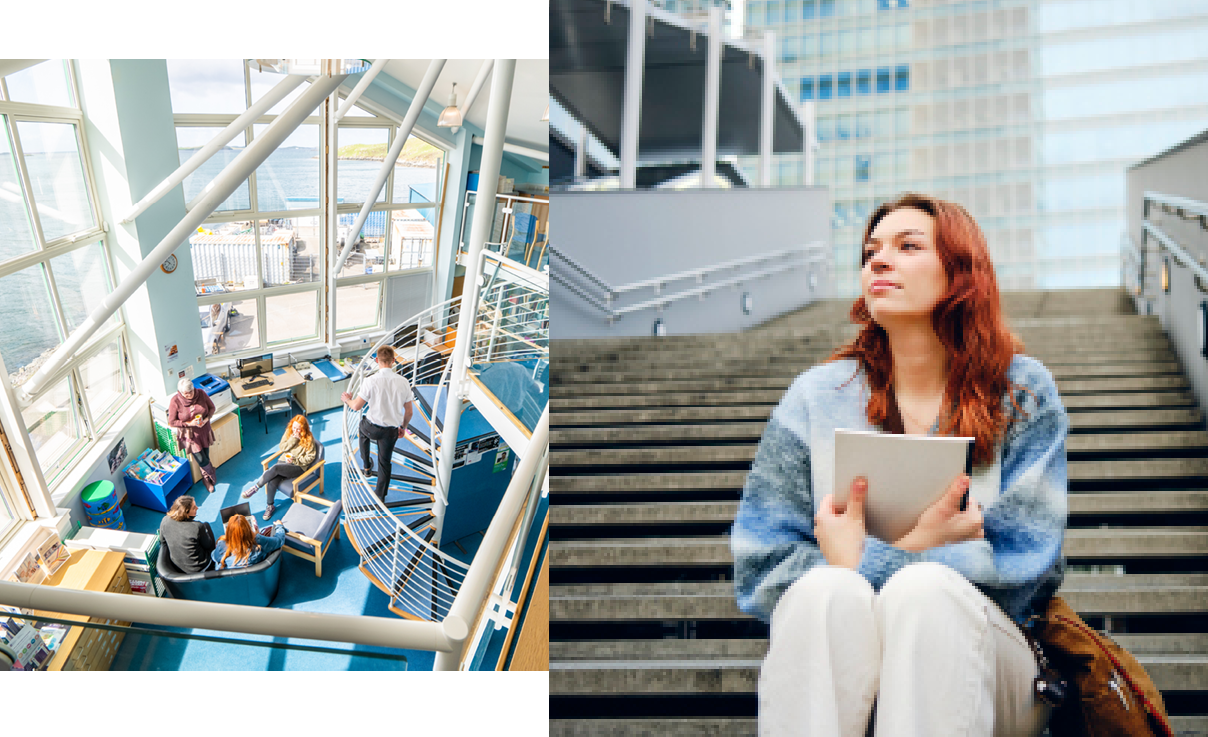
815	251
1185	259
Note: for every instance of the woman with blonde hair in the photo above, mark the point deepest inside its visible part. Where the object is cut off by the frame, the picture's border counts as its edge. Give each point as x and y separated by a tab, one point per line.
298	451
241	545
926	626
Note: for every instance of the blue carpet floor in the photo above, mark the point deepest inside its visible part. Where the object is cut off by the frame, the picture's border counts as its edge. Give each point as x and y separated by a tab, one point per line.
341	590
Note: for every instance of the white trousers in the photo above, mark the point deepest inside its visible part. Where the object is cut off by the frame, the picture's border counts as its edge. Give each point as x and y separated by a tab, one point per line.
937	656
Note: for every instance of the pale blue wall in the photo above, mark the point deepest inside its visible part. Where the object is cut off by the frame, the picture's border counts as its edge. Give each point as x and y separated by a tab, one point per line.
132	137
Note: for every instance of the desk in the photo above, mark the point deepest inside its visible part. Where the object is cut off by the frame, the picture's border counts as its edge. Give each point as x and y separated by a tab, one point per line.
85	648
288	379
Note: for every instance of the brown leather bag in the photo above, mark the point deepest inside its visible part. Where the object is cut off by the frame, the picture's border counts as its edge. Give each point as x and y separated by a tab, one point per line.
1110	693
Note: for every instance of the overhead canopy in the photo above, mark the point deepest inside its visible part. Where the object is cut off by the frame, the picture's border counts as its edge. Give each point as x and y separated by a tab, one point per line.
588	44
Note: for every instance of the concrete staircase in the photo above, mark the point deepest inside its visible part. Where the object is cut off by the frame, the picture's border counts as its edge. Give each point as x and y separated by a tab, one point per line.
652	439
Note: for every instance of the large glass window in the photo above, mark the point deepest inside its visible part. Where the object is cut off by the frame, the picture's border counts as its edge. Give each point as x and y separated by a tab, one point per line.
56	177
267	242
189	140
48	217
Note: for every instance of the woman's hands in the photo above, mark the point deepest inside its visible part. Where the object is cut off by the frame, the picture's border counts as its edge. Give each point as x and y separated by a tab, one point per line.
840	532
943	523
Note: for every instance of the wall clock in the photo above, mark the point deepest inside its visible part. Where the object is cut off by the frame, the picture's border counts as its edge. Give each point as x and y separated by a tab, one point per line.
169	264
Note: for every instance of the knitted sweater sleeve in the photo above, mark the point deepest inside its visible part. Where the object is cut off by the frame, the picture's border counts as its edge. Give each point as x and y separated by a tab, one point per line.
772	541
1020	557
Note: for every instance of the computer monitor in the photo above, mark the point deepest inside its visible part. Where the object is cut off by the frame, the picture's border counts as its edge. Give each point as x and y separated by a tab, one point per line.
251	367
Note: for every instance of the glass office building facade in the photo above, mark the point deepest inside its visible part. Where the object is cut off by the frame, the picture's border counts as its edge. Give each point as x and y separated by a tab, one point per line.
1027	113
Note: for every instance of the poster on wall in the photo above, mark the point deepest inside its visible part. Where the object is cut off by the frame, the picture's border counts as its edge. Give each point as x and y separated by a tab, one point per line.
171	352
117	455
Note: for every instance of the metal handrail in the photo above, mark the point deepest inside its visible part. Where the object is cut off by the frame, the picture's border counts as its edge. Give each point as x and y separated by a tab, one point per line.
662	281
1180	255
659	282
1182	203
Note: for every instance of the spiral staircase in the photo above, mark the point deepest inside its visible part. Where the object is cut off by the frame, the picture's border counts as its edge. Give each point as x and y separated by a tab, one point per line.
399	538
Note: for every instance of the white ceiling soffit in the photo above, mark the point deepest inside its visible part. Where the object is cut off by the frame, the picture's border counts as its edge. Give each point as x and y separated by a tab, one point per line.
12	66
530	94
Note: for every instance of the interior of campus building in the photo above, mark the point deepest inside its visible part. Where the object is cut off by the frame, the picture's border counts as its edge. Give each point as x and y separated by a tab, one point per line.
322	209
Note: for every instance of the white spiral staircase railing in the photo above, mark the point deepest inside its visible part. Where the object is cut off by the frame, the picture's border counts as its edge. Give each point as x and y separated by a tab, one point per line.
397	537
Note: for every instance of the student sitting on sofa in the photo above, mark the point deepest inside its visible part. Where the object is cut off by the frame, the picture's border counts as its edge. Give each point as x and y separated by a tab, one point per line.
189	542
241	546
298	451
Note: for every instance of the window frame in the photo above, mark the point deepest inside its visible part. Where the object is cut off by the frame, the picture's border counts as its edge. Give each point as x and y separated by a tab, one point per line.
92	424
381	119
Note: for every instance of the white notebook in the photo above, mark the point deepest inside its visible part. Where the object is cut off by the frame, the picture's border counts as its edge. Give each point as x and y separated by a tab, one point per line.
906	474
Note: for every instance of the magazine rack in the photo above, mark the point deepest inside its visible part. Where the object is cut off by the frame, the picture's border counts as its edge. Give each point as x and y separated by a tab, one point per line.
158	496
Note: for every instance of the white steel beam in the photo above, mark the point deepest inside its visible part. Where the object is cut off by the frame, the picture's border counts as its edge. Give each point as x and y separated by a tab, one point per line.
363	85
473	591
631	109
378	631
400	139
767	109
488	187
483	71
708	164
275	95
212	196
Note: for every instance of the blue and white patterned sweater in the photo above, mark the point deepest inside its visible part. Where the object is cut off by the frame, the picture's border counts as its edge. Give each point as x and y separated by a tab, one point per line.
1023	493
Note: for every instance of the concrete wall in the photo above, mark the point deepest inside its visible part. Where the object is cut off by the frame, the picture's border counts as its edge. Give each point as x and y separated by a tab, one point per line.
1180	173
625	237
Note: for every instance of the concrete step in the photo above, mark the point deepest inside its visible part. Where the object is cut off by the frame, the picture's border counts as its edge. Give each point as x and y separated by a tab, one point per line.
723	512
746	649
649	483
765	367
1073	403
1155	470
1184	726
1096	385
750	432
712	551
748	354
741	676
1088	594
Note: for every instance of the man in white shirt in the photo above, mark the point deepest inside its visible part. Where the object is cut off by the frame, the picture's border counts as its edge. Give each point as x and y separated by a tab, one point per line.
389	397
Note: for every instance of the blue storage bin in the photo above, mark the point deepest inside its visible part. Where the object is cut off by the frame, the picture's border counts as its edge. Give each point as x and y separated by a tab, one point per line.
472	181
210	384
159	496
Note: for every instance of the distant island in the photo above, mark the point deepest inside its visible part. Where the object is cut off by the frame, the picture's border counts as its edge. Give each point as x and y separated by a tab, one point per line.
416	153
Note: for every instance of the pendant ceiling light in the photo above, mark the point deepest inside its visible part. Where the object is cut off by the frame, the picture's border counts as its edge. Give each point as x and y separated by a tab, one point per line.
450	117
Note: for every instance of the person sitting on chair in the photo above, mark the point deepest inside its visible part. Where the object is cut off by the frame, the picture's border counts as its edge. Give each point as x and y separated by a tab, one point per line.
189	542
298	451
242	546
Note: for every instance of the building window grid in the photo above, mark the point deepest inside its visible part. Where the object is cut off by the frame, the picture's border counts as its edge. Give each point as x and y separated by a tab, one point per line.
255	216
90	423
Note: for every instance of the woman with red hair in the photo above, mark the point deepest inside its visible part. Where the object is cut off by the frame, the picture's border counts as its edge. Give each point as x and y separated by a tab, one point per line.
241	545
298	451
926	626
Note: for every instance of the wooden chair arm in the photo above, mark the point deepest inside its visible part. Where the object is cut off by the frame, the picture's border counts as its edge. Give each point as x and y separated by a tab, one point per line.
269	461
313	498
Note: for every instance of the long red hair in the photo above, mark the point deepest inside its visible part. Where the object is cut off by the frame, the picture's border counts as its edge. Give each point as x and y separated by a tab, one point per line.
968	321
240	539
305	439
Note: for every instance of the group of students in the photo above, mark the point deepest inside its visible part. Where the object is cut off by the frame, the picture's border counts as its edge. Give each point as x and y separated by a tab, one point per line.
191	544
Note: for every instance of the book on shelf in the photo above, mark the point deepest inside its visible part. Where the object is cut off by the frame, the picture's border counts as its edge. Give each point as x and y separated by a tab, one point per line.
52	554
29	570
